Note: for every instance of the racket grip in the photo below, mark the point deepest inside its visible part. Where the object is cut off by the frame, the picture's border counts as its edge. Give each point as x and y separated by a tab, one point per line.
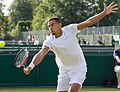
31	65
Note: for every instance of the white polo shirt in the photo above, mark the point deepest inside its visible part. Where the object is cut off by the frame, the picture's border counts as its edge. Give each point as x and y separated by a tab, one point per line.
66	48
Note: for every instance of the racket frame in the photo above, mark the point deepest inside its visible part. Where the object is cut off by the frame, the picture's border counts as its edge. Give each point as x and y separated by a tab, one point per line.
25	60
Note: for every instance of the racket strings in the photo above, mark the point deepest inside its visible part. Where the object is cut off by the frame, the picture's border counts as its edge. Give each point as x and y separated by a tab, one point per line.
21	57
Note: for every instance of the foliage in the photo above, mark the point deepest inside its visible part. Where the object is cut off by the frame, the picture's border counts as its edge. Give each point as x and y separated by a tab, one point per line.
1	7
76	11
20	10
22	25
15	32
34	4
70	11
112	19
3	24
42	13
4	29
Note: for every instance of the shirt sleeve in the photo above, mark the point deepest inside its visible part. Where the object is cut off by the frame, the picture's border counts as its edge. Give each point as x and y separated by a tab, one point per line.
72	28
47	43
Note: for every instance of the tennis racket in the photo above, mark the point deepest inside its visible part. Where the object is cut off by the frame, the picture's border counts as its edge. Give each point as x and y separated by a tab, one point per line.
21	58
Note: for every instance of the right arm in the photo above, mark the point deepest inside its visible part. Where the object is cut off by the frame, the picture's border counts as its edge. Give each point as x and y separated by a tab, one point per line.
117	58
37	59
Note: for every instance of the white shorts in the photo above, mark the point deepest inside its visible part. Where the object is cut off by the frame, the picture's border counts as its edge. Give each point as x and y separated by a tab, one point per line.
67	77
117	68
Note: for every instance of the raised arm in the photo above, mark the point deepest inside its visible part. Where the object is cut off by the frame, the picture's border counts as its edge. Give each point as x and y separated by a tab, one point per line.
36	59
92	20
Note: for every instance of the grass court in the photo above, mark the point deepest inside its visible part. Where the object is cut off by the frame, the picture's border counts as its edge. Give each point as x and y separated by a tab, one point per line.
53	89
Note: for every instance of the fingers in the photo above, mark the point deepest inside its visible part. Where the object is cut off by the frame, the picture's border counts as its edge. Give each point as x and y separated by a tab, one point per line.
27	70
104	6
115	9
111	8
114	5
111	4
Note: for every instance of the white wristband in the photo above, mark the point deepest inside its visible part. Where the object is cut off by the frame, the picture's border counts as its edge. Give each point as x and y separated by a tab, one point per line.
32	65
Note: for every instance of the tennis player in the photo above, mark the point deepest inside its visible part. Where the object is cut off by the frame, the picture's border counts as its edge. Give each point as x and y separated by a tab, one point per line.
69	56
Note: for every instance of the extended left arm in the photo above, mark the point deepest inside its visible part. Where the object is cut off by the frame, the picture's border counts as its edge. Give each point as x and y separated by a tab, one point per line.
92	20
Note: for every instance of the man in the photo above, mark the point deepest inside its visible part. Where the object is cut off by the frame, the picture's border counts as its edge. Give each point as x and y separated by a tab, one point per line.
83	42
113	42
116	56
101	43
69	56
35	41
117	65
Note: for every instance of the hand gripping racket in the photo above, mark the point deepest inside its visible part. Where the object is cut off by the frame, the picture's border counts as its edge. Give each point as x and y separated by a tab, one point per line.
21	58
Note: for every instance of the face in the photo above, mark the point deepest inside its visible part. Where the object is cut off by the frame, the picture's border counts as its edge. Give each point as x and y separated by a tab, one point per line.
54	27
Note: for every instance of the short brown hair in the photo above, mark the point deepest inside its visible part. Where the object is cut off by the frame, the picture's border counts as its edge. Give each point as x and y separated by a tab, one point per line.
54	18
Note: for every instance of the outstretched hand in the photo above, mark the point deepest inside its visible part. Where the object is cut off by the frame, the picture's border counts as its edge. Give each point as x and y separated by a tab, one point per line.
27	70
111	8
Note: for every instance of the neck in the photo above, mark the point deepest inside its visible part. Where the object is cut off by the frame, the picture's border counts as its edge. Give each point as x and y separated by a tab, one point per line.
59	33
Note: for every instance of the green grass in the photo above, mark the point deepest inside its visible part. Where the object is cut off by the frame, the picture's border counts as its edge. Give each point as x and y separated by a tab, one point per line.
53	89
99	89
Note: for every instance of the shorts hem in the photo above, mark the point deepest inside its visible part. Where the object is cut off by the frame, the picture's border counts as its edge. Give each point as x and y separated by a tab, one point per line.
62	90
76	82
